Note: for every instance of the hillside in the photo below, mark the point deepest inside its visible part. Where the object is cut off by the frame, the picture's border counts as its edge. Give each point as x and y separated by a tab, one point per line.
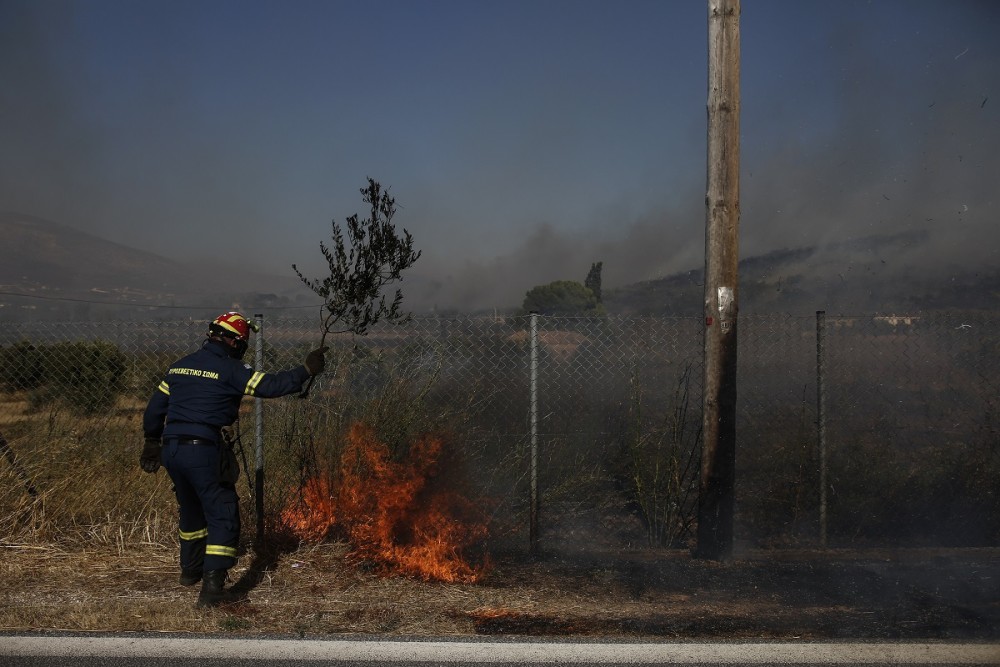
33	250
858	276
67	273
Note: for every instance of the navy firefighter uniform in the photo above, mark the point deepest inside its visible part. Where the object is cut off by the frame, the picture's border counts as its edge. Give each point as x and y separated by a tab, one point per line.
182	424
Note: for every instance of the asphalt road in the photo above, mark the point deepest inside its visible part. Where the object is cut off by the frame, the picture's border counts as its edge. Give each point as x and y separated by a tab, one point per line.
176	651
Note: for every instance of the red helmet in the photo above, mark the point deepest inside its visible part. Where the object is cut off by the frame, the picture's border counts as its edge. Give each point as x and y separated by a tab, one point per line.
232	324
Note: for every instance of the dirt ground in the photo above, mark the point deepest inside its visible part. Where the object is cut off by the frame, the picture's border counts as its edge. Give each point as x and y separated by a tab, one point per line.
313	591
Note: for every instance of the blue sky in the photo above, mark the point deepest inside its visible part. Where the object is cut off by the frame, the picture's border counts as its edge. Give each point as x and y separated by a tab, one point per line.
523	140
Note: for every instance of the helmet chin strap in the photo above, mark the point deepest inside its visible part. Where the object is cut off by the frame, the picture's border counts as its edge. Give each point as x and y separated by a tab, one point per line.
237	346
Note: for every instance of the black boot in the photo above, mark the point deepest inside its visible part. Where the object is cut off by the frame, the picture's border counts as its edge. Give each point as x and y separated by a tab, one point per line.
212	589
190	577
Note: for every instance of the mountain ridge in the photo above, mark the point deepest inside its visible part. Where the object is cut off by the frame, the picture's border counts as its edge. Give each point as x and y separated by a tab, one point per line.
859	275
50	270
43	263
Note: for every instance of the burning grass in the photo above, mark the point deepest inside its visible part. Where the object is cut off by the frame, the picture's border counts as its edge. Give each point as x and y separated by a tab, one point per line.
406	517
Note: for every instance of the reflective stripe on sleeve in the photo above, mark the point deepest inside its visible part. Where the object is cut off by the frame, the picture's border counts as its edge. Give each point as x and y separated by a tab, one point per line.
252	383
219	550
194	534
164	387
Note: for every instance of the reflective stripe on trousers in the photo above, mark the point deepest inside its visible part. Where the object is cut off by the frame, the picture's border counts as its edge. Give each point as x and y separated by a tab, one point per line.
209	508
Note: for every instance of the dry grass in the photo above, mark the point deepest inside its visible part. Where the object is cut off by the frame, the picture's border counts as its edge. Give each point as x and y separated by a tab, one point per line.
313	590
310	590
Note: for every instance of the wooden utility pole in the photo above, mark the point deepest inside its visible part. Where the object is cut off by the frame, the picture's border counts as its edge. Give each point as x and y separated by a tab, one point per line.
722	217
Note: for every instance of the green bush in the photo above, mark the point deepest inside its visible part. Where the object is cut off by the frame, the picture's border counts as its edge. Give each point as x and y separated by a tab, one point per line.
87	376
21	367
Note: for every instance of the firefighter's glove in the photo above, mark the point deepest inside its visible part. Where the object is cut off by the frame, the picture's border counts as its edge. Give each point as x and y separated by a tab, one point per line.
315	362
150	458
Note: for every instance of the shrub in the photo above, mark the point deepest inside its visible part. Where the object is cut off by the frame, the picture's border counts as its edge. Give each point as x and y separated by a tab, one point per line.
92	379
21	367
663	465
87	376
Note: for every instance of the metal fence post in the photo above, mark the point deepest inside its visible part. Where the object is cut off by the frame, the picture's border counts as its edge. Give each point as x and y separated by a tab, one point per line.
258	436
533	415
821	418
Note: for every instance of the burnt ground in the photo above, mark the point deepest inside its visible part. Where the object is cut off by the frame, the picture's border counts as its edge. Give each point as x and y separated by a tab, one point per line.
835	594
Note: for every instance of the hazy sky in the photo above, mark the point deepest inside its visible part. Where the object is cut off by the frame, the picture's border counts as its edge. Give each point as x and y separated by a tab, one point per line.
523	140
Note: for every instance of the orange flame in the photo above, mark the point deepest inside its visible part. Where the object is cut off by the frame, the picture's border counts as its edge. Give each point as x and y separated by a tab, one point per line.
399	515
312	518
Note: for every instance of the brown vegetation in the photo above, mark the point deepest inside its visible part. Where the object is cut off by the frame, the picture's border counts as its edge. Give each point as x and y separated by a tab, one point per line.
313	590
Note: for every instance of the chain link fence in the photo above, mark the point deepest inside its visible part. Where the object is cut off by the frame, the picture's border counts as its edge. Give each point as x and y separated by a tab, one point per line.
579	431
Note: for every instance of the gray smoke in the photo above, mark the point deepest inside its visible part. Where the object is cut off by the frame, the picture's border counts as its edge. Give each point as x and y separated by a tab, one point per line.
847	148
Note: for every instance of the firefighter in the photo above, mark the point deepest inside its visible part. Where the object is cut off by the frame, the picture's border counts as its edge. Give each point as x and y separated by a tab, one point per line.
183	427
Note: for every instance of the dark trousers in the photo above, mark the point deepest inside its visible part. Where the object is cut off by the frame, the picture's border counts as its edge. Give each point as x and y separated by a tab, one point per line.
209	507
